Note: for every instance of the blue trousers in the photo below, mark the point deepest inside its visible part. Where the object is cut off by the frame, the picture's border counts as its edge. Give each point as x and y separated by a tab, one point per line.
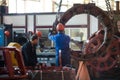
65	56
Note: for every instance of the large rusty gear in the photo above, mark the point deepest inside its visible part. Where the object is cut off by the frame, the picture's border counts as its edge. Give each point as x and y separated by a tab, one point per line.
93	10
94	42
114	47
98	43
86	8
104	61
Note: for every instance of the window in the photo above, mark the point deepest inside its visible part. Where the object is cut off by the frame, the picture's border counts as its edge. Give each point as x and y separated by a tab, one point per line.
77	34
36	6
19	30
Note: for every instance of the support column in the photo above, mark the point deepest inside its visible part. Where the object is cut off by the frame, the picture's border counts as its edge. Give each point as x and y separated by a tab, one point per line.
117	7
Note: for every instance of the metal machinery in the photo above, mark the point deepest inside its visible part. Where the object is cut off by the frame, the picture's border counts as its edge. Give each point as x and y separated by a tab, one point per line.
20	72
47	57
102	51
100	40
8	72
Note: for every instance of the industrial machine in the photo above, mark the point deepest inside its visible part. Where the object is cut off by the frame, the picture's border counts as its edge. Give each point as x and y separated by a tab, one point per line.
46	57
102	50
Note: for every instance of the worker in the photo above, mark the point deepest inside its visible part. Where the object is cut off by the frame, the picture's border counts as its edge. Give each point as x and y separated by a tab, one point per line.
29	51
61	41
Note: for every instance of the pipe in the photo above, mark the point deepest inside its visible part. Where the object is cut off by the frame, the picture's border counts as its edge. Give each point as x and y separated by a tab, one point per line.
117	6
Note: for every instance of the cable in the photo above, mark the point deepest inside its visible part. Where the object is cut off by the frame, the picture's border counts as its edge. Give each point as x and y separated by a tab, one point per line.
57	15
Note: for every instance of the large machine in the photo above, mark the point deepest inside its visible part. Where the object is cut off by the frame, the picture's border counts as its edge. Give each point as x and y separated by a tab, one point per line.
100	40
102	50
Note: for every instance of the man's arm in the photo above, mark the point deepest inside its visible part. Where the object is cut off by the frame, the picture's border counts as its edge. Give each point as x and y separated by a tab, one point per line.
51	37
25	56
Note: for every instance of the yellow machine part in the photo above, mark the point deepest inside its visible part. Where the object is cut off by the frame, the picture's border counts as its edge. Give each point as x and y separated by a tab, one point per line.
18	46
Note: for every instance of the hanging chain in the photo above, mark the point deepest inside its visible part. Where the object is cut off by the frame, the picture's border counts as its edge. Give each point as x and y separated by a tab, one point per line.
57	15
59	7
58	12
109	9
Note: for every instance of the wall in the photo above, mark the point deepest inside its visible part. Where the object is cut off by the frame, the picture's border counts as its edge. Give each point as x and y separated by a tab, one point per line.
30	22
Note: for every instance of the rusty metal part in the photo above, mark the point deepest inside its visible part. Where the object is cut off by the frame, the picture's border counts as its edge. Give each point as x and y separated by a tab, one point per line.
114	47
102	65
86	8
10	67
95	11
95	46
109	56
94	42
95	50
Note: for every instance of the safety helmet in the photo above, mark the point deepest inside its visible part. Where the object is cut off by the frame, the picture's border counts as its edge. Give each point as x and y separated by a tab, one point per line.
60	27
7	33
39	33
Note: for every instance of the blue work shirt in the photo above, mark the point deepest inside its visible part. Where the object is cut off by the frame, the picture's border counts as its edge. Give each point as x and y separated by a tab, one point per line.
61	41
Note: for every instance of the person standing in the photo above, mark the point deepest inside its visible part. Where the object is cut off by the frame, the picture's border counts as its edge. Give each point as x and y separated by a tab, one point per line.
61	41
29	51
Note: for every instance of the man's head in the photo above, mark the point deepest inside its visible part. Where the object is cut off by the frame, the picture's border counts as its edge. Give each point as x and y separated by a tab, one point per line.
39	34
34	39
60	27
118	25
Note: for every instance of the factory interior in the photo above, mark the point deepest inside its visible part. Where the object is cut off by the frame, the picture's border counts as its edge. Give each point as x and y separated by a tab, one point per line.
59	39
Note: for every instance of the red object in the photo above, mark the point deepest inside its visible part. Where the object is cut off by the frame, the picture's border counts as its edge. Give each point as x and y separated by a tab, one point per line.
39	33
113	47
9	66
7	33
60	27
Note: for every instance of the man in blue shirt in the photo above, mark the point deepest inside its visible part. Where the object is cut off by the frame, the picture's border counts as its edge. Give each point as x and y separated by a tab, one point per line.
61	41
